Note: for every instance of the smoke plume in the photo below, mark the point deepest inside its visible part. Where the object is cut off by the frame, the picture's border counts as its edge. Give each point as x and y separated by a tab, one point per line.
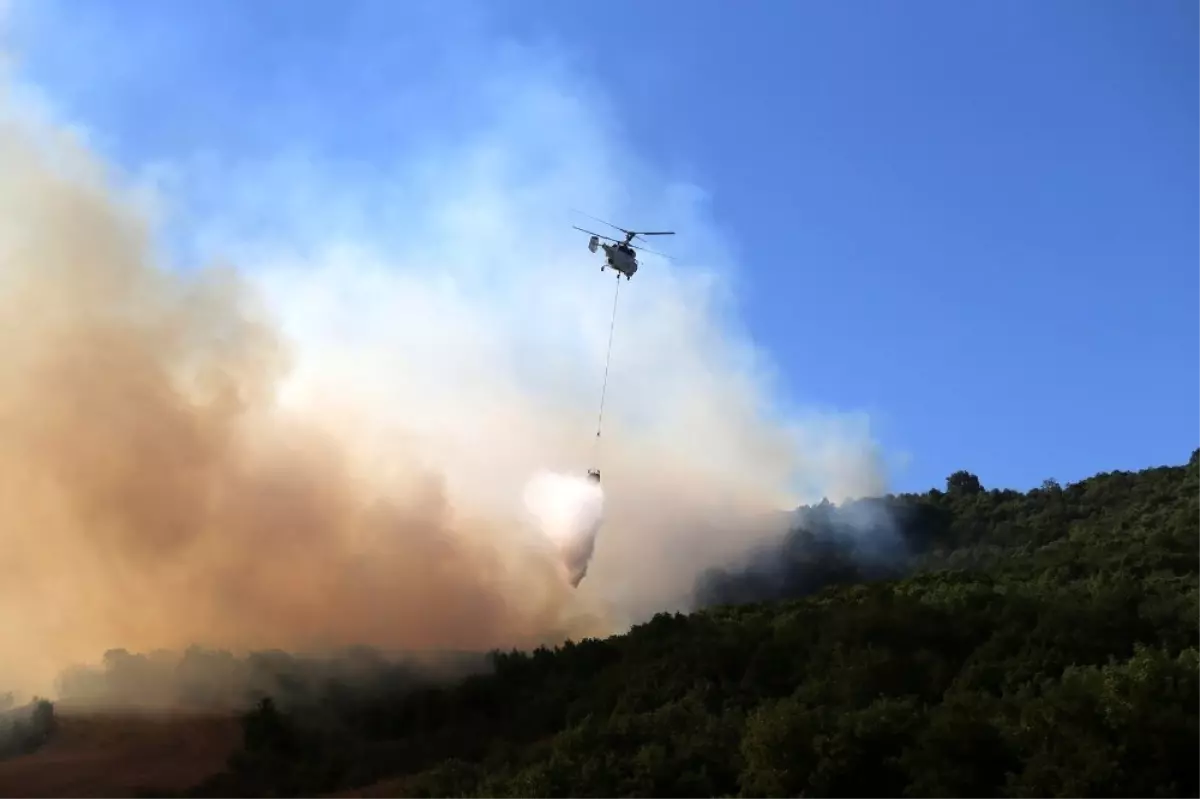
322	443
824	545
157	496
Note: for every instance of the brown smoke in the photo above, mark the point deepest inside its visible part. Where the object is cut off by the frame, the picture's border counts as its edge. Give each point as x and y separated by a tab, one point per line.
154	496
327	444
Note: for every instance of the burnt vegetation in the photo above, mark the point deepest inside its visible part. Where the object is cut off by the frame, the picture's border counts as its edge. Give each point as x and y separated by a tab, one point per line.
960	642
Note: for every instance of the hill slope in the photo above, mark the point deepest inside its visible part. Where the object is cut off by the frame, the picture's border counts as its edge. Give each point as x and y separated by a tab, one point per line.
1043	643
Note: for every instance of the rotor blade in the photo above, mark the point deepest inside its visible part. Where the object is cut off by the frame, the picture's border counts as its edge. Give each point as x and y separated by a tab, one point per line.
597	235
655	233
601	221
652	252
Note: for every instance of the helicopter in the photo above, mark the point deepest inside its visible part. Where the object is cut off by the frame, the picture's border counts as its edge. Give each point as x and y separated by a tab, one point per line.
621	256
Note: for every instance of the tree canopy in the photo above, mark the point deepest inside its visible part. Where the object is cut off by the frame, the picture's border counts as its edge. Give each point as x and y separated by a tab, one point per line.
966	642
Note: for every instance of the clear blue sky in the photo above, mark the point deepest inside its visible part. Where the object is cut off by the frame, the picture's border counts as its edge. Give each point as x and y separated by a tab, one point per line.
977	221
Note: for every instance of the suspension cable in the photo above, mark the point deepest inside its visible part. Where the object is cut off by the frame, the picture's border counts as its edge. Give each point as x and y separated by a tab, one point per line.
608	359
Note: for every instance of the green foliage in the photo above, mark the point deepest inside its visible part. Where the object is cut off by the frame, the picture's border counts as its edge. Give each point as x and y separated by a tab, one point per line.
1042	643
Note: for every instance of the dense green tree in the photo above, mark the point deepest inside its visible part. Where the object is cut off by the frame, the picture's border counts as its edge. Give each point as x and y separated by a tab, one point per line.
963	484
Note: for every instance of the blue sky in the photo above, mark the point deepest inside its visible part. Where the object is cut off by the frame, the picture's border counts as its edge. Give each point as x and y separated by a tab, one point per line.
977	223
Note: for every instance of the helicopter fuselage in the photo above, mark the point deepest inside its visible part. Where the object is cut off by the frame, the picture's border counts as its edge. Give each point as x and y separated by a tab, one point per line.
621	259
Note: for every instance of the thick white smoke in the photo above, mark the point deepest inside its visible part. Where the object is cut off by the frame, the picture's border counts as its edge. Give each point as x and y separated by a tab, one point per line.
569	511
329	442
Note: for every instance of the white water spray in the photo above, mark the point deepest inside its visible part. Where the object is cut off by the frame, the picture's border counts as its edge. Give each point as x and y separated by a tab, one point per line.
569	511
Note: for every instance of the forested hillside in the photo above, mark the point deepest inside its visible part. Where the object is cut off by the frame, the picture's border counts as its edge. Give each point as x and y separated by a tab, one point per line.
963	642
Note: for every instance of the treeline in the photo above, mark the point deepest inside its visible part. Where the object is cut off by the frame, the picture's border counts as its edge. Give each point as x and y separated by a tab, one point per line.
24	728
962	527
209	679
1042	643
